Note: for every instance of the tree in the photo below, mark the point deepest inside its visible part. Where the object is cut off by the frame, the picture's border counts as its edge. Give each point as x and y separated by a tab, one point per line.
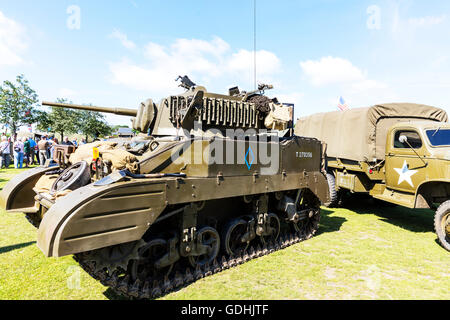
59	120
17	104
117	126
92	124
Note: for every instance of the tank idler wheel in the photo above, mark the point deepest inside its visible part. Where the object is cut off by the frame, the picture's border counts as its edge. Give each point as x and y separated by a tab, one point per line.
144	268
273	227
208	237
442	224
308	226
234	242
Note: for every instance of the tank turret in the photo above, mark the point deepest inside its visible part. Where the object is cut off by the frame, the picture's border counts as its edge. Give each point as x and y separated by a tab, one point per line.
243	110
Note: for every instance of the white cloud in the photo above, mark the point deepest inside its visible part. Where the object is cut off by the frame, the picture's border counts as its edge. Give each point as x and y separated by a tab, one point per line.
243	60
427	21
12	41
338	71
67	93
188	56
131	75
330	70
366	85
204	61
295	98
123	38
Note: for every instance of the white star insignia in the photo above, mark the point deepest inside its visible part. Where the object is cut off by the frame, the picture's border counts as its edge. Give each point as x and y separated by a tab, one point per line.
405	174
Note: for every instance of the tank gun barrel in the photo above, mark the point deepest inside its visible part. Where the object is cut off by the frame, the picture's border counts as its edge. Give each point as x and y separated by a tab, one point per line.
117	111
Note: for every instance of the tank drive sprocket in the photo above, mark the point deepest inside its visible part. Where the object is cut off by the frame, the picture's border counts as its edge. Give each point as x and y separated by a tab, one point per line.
113	258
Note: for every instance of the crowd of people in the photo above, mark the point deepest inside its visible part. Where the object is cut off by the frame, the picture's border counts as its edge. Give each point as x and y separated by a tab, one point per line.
30	151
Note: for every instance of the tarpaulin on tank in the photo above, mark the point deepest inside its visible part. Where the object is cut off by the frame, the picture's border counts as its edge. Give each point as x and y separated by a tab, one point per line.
85	151
360	134
120	159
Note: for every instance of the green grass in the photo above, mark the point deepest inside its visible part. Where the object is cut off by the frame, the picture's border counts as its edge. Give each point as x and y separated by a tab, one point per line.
365	252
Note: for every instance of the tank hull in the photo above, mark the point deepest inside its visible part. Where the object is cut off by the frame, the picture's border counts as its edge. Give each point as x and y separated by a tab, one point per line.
94	217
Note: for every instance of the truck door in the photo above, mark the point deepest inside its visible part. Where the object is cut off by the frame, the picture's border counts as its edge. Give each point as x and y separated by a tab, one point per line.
404	169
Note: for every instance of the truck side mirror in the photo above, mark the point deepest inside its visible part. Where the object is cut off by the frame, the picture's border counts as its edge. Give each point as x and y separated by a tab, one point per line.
403	139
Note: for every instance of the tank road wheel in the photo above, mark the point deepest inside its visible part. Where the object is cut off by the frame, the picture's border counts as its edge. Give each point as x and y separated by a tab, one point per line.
273	227
144	267
442	224
234	243
308	225
334	194
208	237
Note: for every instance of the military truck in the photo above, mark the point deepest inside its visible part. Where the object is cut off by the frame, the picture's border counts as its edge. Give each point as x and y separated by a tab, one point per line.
398	153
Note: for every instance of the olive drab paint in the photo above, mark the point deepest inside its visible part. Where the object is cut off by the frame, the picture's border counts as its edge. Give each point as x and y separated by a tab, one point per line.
387	154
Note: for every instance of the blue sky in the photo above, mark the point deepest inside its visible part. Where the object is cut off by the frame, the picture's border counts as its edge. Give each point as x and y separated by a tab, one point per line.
312	51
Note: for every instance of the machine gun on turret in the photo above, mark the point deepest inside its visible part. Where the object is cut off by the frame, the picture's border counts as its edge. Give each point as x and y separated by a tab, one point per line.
185	82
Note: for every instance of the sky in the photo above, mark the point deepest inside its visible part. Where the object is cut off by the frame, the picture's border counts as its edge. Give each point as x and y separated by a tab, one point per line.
119	53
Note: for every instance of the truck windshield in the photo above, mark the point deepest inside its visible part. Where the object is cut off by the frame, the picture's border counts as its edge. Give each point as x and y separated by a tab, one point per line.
439	137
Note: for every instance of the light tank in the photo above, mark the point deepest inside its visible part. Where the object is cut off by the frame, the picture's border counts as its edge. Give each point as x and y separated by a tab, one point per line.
211	182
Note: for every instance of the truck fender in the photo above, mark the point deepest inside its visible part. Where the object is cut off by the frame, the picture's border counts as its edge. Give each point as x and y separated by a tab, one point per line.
422	196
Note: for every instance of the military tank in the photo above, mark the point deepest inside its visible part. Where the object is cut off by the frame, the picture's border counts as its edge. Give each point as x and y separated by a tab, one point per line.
211	182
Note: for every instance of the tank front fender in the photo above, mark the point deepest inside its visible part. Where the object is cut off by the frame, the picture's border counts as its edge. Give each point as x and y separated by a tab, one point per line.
94	217
18	193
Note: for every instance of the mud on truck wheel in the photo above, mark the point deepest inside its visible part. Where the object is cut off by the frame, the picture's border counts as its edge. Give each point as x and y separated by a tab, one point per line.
442	224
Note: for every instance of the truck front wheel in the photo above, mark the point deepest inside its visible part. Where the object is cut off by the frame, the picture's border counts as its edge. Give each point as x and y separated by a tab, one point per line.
442	224
334	195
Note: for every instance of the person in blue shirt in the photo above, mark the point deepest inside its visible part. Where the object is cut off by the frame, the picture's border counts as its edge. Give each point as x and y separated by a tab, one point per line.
33	145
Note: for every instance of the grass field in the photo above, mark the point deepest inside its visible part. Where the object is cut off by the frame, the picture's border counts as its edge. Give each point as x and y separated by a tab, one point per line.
365	252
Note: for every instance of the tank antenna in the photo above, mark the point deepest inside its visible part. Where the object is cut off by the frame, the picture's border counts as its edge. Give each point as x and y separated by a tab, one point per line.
254	41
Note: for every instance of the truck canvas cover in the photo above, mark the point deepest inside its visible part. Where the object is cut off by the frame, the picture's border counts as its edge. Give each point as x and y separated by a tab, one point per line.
360	134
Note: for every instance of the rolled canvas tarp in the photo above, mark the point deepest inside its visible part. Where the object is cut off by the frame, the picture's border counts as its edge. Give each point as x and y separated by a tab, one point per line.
360	134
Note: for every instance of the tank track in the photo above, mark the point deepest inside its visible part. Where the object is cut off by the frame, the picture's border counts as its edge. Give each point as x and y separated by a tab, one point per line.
33	220
161	287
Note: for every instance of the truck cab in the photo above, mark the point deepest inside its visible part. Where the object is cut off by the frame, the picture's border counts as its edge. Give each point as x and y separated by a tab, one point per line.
418	163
